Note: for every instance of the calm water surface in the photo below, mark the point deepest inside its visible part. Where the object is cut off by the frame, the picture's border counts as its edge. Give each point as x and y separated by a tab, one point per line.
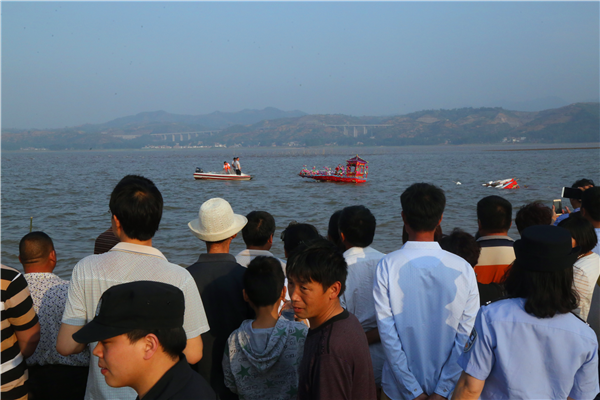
67	193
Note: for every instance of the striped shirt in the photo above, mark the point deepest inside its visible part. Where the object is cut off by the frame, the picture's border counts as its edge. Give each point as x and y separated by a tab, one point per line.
17	315
126	262
105	241
496	255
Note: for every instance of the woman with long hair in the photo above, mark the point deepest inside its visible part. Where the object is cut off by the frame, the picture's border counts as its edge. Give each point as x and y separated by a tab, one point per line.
587	268
530	345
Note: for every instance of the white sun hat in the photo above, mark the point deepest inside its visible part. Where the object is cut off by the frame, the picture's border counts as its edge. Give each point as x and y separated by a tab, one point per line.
216	221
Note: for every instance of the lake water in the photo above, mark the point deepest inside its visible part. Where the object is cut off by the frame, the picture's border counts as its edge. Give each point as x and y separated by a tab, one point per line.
67	193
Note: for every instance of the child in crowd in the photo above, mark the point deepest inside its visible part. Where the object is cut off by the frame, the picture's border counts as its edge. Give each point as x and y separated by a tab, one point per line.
262	357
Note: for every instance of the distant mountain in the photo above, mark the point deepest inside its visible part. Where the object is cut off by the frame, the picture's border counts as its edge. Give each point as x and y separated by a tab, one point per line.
575	123
215	120
533	105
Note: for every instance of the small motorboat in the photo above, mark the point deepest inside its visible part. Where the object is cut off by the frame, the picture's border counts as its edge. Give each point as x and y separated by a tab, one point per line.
218	176
355	171
503	184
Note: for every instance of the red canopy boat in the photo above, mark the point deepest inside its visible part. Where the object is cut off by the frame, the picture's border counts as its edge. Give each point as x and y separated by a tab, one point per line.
355	171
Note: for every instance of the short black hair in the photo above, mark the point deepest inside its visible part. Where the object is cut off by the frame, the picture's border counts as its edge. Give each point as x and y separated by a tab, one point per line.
494	213
137	204
296	234
34	247
173	341
333	229
319	261
533	214
263	281
357	223
581	230
423	205
258	230
546	293
582	183
590	202
462	244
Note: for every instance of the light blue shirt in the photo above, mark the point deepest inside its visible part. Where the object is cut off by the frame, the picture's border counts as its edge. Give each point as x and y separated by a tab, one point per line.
521	356
564	216
426	301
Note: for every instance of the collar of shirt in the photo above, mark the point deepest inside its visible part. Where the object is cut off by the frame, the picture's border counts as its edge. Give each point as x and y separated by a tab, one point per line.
171	382
492	237
255	253
421	245
42	276
137	248
356	251
216	257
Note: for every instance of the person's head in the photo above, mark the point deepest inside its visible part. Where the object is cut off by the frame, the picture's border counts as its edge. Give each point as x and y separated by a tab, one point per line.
139	329
36	252
216	222
295	234
590	204
582	231
264	282
533	214
462	244
333	229
583	184
224	162
422	207
137	206
542	272
258	232
357	226
316	279
494	214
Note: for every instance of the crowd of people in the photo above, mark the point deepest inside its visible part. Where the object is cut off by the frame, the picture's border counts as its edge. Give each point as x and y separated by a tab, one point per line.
445	316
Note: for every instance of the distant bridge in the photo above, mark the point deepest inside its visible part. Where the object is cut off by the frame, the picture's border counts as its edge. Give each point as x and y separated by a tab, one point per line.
165	136
364	126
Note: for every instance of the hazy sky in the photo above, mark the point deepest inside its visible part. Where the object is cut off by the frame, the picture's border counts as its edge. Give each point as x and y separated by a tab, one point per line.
70	63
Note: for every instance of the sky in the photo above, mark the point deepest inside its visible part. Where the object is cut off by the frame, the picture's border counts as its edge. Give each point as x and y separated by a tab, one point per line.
71	63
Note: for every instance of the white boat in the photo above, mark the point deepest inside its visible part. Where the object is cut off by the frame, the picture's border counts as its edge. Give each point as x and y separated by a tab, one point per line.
199	174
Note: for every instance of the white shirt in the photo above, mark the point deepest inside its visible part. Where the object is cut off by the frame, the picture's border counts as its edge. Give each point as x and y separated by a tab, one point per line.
597	248
245	256
358	296
126	262
585	274
520	356
49	294
426	301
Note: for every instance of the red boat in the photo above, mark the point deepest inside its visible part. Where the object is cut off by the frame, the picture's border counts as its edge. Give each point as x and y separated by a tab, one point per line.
355	171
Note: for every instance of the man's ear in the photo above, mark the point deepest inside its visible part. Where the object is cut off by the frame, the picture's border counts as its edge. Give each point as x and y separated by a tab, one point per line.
246	299
283	292
270	241
52	256
334	290
150	345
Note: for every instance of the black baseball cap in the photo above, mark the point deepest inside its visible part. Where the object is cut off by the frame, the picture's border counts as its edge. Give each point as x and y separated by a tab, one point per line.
134	305
545	248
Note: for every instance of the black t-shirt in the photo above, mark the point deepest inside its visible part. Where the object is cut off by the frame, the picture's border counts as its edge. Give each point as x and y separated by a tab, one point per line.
219	281
180	383
336	362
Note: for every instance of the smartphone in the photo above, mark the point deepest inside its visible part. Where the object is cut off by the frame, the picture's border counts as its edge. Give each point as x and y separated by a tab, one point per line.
572	193
557	206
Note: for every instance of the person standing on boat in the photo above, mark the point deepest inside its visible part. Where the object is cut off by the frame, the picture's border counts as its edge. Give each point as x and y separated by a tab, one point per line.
226	168
236	165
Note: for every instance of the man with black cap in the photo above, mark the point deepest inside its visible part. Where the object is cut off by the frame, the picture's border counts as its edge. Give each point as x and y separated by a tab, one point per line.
530	346
140	335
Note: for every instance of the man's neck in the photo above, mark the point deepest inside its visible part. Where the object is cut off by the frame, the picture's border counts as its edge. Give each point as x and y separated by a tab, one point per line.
265	247
484	233
332	311
266	317
424	236
218	248
153	374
